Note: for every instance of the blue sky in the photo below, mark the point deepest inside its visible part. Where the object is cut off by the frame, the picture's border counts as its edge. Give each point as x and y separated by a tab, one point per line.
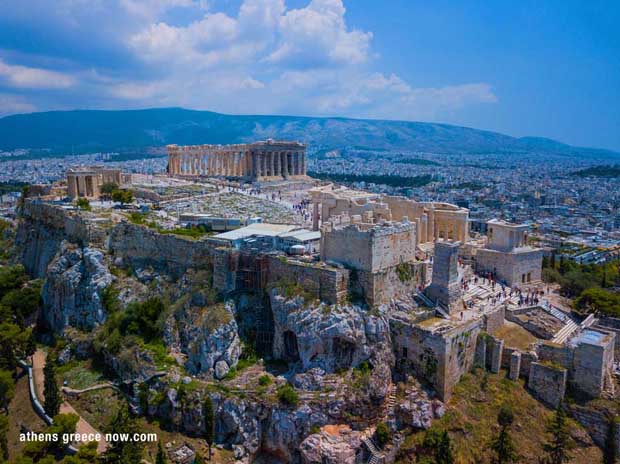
543	68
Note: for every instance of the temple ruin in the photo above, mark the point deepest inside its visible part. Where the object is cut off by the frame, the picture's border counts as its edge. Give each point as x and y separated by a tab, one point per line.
86	182
258	161
508	255
433	220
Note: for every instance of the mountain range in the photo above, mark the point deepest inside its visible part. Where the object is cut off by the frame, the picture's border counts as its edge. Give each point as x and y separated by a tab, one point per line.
80	131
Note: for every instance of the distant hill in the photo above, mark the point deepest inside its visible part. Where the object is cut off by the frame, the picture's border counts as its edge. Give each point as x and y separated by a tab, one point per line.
599	171
130	130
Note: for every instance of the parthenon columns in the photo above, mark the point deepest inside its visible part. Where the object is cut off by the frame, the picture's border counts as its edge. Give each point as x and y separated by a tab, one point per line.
252	161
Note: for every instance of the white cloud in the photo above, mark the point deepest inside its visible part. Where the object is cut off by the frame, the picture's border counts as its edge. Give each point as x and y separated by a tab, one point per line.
34	78
263	59
11	104
317	35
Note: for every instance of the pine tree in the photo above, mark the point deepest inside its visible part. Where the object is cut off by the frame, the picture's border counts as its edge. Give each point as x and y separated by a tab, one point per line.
502	445
561	442
51	393
4	446
443	455
209	423
124	452
161	454
610	454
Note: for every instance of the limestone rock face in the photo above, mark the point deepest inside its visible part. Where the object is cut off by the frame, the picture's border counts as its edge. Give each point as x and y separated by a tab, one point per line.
328	337
417	409
207	337
76	278
287	428
338	446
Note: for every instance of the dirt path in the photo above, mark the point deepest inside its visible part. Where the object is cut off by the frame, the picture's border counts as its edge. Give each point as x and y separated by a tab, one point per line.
83	427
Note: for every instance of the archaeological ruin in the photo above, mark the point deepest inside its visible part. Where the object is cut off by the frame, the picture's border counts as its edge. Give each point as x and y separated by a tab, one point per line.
258	161
86	182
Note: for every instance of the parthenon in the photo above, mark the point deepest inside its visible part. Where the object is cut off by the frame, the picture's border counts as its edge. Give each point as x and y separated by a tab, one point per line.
265	160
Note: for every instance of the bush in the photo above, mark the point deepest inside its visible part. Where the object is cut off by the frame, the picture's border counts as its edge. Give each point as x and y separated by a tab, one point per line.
287	395
264	380
83	203
383	434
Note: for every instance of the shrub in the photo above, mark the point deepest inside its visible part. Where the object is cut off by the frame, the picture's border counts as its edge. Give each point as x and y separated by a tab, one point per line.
264	380
383	434
287	395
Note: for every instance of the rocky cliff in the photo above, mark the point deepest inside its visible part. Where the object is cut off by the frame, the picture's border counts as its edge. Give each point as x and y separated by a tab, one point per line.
72	293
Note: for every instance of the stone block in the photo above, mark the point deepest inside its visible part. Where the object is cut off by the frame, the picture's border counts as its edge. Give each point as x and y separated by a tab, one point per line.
548	383
515	365
497	347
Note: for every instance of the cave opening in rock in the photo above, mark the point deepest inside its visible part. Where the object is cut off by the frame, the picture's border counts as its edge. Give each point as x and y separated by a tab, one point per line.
291	352
343	353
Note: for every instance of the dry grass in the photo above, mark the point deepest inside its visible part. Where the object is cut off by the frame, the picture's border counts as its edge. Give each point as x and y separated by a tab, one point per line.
21	413
515	336
471	420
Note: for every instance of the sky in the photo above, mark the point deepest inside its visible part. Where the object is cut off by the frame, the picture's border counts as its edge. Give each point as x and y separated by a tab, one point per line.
528	68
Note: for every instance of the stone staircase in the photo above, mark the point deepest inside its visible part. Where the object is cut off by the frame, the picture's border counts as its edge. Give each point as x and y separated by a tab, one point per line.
569	328
376	456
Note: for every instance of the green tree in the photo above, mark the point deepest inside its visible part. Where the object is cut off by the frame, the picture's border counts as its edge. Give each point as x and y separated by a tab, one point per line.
83	203
610	452
38	451
7	389
123	452
122	196
51	393
15	343
107	189
4	445
436	447
598	300
382	433
209	417
161	454
443	454
561	443
502	445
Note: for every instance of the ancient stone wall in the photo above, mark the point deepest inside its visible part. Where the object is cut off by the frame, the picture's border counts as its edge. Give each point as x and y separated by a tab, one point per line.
548	383
395	282
139	246
441	358
369	248
494	320
329	284
514	268
591	365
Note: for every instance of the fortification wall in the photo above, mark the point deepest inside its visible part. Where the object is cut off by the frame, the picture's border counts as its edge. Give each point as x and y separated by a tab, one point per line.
139	246
329	284
441	358
548	383
370	249
395	282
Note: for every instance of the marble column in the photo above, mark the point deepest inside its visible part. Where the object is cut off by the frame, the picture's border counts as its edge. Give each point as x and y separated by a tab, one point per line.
285	162
257	167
